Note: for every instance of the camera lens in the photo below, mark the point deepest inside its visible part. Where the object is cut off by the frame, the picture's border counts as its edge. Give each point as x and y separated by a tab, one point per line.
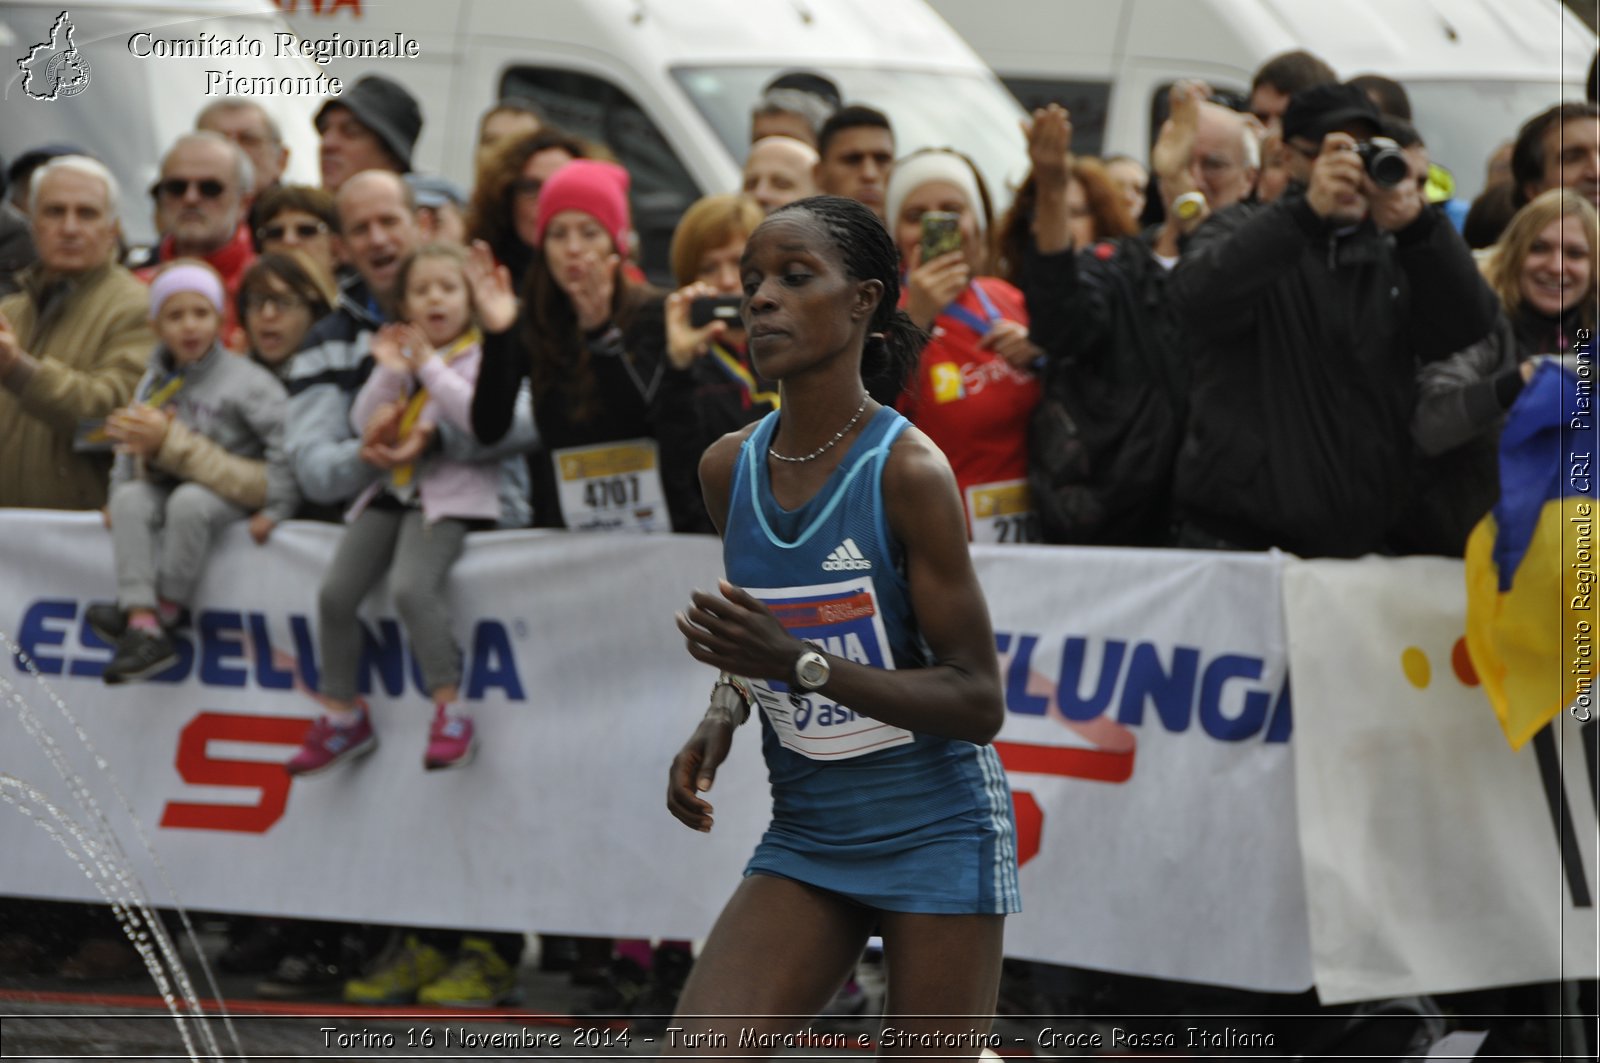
1385	163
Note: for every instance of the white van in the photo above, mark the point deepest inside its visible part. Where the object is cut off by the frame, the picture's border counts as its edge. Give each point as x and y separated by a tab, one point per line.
1474	69
668	84
136	96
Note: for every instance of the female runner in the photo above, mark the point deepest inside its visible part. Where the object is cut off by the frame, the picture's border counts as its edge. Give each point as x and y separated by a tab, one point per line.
853	614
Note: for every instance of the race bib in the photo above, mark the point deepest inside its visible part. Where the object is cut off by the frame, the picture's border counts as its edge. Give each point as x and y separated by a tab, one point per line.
842	620
612	487
1001	512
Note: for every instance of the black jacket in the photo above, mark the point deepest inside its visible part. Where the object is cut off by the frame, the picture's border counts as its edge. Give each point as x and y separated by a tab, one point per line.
637	394
1306	343
1104	437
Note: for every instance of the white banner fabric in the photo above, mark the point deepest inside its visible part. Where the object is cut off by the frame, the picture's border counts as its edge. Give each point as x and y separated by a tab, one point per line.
1433	853
1146	742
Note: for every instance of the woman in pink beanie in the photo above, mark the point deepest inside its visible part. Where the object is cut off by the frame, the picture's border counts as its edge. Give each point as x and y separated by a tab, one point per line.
619	439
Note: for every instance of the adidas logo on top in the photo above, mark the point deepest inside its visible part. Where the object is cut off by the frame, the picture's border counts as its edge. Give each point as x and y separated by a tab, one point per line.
846	557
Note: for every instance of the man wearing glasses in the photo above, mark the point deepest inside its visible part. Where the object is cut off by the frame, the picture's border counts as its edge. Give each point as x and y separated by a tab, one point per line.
202	201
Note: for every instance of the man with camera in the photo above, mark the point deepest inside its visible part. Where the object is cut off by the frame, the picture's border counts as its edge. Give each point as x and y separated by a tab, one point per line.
1310	315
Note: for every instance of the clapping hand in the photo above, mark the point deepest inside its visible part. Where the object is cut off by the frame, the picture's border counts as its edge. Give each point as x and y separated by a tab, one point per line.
400	348
491	288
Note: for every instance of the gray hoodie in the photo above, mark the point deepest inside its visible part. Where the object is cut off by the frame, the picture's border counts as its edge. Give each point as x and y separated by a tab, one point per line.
235	403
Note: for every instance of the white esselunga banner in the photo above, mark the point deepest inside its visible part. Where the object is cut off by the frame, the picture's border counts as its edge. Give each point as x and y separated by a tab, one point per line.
1436	859
1148	729
1147	744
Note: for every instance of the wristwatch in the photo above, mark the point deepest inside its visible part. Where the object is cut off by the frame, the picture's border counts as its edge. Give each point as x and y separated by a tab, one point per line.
1189	206
810	670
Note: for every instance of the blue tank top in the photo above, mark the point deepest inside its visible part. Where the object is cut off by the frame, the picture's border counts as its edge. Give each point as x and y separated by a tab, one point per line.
833	574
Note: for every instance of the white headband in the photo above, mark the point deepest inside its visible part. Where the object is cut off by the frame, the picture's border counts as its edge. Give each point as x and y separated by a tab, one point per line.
914	171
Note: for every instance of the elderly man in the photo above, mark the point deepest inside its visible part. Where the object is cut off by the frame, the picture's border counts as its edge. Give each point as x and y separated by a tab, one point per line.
73	341
779	171
248	125
202	210
374	125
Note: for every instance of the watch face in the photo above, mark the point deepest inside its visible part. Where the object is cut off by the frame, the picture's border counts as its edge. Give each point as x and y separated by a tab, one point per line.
812	671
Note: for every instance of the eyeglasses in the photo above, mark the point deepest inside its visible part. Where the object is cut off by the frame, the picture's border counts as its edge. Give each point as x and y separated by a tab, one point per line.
256	302
527	186
178	187
304	230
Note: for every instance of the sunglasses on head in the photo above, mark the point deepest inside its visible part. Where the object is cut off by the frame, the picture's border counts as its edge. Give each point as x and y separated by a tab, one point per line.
178	187
304	230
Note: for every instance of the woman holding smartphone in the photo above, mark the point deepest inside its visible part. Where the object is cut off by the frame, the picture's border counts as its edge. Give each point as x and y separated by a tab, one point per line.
891	813
703	332
974	386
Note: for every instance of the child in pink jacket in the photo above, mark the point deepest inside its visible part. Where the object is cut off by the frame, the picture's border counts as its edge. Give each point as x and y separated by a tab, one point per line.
410	525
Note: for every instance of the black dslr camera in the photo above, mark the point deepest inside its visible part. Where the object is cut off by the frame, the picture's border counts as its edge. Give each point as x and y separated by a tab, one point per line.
1385	163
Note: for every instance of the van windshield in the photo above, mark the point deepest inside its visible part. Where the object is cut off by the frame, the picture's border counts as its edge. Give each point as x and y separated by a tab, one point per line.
1462	122
972	113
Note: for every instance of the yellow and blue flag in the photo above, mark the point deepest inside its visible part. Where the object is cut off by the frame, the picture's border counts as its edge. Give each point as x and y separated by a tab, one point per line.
1530	563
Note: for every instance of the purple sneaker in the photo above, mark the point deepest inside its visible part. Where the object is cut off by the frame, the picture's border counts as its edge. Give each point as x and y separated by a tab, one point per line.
451	740
326	745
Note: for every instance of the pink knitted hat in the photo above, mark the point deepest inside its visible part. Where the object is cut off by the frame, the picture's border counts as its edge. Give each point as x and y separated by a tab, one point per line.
598	189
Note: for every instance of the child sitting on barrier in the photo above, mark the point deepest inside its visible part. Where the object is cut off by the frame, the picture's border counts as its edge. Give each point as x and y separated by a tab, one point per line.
412	523
199	447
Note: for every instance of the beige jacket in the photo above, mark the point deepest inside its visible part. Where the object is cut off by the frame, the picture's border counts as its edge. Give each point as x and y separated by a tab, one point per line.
188	455
90	340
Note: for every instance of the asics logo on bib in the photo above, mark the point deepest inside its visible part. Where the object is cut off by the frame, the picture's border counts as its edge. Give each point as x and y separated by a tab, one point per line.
846	557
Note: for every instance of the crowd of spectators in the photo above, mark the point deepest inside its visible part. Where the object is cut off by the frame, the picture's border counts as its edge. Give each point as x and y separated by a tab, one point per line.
1300	351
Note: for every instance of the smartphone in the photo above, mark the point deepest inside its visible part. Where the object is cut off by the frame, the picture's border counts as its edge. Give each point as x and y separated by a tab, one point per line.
941	234
709	308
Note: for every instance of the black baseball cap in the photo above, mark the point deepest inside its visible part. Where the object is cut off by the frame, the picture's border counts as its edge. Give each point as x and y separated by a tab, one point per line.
1315	112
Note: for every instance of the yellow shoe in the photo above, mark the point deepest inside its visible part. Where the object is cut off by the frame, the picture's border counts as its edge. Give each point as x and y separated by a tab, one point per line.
399	976
480	978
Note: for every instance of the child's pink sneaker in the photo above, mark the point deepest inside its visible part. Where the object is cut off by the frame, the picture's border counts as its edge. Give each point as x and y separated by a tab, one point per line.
326	745
451	740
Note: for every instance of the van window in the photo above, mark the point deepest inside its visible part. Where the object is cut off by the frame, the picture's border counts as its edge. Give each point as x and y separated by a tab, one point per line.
1462	122
1087	102
918	103
594	108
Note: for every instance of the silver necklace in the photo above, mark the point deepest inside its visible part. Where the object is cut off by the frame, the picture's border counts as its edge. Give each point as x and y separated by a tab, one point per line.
840	434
